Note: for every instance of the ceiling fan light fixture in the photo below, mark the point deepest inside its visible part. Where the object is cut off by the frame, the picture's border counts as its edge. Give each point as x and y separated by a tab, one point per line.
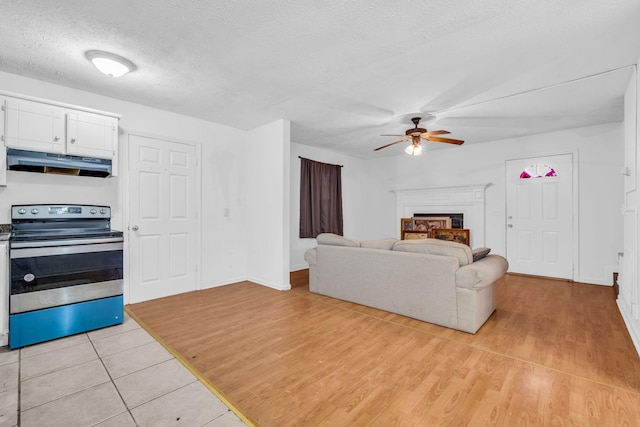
413	150
109	63
417	134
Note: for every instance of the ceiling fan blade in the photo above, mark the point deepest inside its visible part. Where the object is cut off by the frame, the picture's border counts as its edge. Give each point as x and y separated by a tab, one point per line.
447	140
391	134
434	132
389	145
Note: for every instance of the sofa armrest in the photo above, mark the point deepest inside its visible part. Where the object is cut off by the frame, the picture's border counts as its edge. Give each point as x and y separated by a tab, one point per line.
311	256
481	273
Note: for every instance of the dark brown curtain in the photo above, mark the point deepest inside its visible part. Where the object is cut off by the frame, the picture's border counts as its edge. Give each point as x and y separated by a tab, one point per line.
320	198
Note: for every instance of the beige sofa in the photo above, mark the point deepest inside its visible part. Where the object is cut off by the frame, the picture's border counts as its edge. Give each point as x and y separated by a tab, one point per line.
431	280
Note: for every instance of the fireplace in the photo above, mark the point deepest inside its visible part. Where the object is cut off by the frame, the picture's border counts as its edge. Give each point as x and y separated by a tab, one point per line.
467	201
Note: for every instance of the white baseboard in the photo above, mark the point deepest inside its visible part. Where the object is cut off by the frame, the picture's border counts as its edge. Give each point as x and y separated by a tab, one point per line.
594	281
633	326
284	287
605	280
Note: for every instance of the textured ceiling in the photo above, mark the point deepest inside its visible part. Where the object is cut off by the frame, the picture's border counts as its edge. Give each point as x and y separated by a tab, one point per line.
343	72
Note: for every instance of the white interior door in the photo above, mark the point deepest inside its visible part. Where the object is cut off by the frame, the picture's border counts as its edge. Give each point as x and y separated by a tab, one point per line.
163	218
540	217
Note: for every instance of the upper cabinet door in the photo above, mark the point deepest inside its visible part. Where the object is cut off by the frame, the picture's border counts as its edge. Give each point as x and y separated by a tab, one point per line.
34	126
92	135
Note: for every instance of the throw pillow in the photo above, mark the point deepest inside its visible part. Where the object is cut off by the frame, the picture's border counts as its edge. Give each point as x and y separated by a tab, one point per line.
479	253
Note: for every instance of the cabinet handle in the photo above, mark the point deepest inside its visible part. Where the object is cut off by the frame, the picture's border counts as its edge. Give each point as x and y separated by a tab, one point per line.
56	138
73	140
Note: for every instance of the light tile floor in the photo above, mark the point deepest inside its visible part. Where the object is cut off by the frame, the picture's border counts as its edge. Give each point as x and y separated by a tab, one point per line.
118	376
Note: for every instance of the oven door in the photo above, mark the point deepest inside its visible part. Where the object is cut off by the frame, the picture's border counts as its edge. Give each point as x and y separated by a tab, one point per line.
50	274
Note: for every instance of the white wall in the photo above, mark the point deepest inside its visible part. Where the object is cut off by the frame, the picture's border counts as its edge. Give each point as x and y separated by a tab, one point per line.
224	250
629	292
267	204
354	182
224	255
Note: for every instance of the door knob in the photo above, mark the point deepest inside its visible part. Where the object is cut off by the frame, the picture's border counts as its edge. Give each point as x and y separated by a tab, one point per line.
510	225
134	228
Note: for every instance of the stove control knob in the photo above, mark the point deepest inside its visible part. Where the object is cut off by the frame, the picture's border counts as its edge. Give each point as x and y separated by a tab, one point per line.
34	211
29	277
93	211
22	211
103	211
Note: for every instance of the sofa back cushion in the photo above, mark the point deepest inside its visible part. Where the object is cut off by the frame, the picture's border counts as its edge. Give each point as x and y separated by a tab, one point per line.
336	240
386	244
436	247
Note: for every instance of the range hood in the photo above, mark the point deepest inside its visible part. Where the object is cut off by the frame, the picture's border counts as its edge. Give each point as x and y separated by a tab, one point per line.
32	161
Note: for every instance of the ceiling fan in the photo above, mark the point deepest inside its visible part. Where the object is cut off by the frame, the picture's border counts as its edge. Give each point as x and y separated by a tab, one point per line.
415	135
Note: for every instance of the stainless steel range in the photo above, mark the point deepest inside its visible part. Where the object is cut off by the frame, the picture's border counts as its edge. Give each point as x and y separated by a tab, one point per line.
66	272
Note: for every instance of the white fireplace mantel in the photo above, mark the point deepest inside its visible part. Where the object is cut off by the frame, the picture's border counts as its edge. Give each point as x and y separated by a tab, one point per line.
467	200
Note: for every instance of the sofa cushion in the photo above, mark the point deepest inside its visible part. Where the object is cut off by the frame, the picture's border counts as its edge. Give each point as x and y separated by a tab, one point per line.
436	247
311	256
386	244
482	273
336	240
479	253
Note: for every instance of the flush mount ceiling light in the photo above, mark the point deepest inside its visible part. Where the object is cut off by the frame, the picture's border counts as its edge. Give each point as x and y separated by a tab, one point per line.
109	63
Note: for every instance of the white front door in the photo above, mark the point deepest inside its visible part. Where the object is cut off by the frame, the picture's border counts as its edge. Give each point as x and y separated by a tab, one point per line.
539	203
163	218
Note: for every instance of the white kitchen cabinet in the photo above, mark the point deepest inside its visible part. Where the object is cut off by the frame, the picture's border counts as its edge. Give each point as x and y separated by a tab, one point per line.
34	126
92	135
4	293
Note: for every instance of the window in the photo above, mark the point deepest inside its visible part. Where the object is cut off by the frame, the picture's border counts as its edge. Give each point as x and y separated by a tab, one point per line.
320	198
538	171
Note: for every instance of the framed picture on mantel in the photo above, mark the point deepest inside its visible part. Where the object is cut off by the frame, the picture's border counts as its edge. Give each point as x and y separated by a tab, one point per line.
406	224
430	223
414	235
460	235
457	219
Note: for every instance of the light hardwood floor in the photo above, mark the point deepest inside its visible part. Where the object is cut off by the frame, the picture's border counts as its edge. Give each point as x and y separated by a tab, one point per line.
553	353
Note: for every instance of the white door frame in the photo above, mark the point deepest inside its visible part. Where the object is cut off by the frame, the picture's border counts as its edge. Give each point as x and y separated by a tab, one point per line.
574	204
125	175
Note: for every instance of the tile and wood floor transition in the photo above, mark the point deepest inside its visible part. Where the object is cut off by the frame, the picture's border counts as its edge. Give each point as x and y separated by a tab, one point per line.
118	376
554	353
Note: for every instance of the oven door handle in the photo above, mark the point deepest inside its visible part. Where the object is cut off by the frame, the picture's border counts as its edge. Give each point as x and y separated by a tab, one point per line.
63	250
67	242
